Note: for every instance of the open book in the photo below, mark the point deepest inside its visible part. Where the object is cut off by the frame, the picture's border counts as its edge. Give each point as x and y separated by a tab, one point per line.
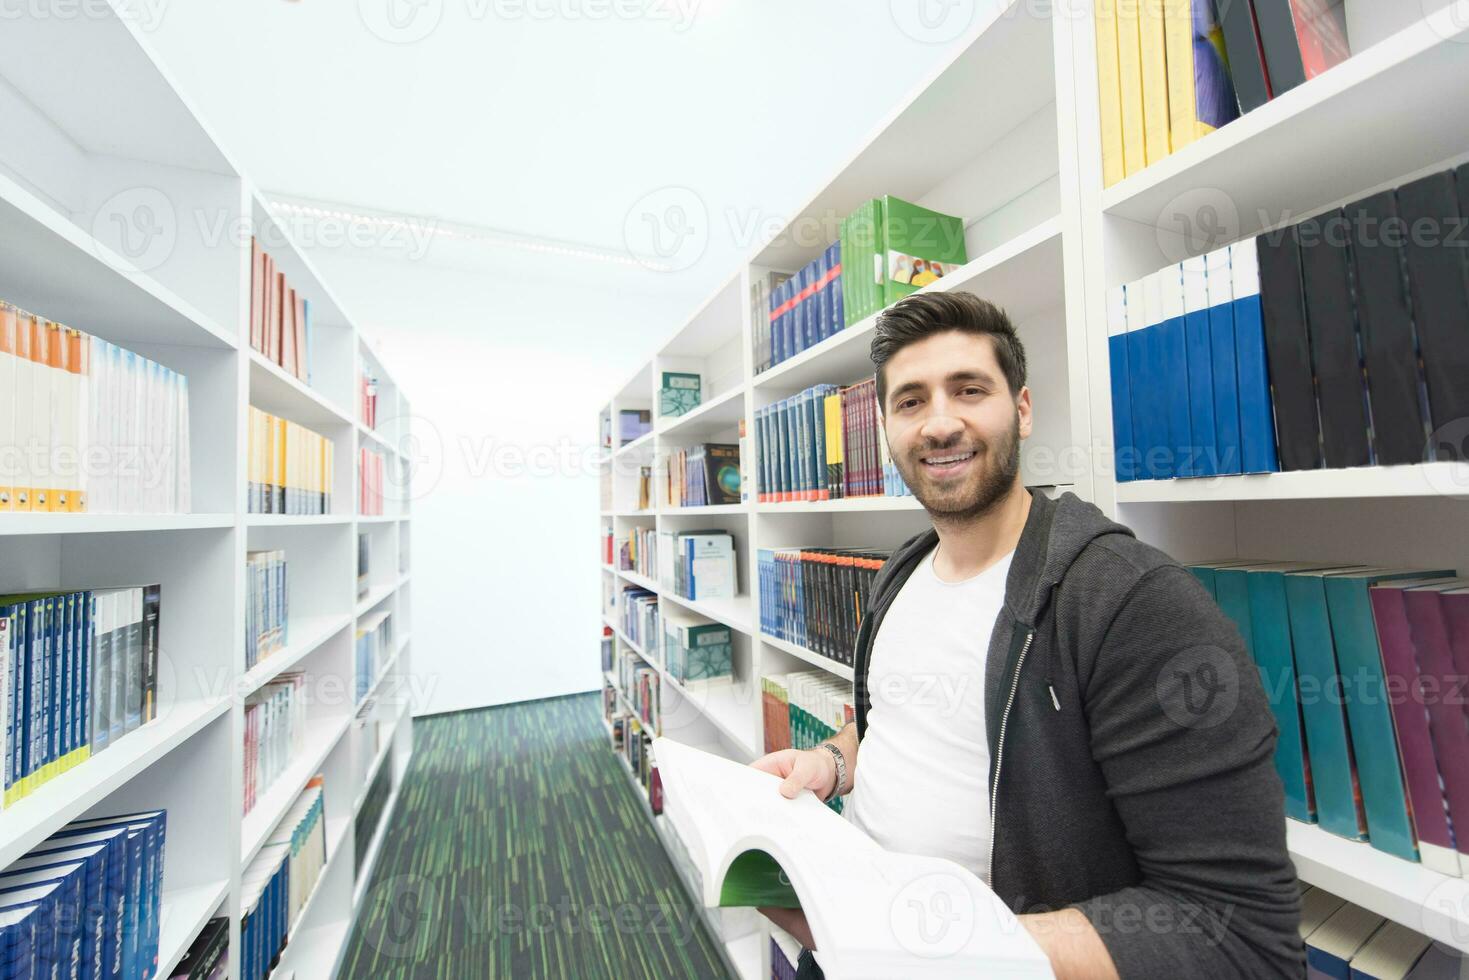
873	913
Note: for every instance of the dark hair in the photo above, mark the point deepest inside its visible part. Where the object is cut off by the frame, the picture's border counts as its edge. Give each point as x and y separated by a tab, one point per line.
921	315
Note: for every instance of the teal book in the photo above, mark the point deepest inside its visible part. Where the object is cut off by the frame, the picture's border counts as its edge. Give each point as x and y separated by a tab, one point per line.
1369	711
680	393
1328	740
1264	586
1231	593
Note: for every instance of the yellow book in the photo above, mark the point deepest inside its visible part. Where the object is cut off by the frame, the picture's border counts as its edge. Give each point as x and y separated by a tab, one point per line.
1109	82
1130	86
1178	30
835	454
1152	43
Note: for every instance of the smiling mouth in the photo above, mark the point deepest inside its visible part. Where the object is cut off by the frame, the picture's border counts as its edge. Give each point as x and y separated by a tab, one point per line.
941	464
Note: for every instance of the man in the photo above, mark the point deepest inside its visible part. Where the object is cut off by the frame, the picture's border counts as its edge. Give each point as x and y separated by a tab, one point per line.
1103	758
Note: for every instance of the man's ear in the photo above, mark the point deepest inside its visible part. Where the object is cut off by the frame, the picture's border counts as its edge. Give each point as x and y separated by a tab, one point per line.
1022	408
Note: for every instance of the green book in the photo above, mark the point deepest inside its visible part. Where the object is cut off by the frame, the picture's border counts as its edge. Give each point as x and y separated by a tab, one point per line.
919	247
681	393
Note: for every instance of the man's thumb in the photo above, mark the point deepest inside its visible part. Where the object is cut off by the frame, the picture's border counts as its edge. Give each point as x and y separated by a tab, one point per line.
792	785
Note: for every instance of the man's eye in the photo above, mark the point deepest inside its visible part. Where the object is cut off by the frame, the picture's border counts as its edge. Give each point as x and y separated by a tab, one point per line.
907	403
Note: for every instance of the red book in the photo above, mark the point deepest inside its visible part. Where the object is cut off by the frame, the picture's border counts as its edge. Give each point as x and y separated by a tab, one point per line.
1428	628
257	293
278	323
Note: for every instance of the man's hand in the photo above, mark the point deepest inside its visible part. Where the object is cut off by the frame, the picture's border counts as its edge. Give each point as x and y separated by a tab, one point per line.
812	769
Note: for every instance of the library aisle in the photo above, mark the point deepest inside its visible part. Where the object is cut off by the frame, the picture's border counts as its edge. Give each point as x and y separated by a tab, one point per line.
340	342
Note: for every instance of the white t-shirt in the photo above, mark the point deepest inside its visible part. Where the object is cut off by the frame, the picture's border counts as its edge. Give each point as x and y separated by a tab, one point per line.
924	767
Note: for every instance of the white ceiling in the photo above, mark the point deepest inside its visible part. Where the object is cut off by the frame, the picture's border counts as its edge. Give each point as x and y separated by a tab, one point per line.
557	119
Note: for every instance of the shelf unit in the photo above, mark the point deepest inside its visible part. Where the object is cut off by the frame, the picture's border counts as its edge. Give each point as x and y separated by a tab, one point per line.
122	216
1008	138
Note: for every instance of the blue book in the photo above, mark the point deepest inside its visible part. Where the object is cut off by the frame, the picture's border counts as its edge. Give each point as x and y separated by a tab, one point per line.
1124	448
1173	350
146	836
115	869
820	299
1256	412
778	350
15	702
66	662
71	934
837	318
92	862
1147	433
1223	358
1203	445
799	282
58	950
1327	739
18	941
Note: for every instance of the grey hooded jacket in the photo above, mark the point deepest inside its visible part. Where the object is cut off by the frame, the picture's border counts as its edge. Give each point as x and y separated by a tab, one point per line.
1131	749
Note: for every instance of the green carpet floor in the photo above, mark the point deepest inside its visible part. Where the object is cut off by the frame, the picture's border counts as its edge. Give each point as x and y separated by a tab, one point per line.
520	848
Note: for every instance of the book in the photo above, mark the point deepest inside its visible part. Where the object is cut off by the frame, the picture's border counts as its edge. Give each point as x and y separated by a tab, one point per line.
1203	443
1369	716
920	246
816	597
1166	287
289	467
1390	954
1331	324
752	847
1438	291
1385	324
1143	301
1123	447
1245	56
696	648
1153	47
275	732
679	393
207	957
1201	96
1288	350
1250	379
1411	728
1301	39
280	328
373	648
1317	905
280	879
1330	948
1109	85
1130	86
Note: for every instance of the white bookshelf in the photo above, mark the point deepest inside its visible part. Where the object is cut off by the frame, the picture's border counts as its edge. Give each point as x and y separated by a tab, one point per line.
103	137
1006	135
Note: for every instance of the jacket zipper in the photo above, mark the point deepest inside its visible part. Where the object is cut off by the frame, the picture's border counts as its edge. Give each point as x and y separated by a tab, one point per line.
1000	750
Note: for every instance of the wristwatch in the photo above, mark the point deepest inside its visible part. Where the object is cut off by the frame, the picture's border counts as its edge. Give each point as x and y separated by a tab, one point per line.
836	754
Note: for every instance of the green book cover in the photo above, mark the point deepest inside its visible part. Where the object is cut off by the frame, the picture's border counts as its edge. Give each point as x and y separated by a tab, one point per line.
919	246
681	393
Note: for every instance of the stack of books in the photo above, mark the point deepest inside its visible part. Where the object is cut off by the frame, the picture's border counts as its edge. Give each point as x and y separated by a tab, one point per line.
275	732
370	482
280	317
1173	71
275	887
801	310
905	245
290	467
86	425
698	564
373	649
705	475
816	597
803	709
87	901
1343	940
78	671
823	444
266	605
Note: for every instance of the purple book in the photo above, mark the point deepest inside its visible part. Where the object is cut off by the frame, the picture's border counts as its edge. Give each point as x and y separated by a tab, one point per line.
1429	630
1411	723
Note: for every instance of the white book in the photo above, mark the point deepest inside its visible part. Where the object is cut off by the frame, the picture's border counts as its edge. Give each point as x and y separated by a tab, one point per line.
873	913
83	394
24	406
39	452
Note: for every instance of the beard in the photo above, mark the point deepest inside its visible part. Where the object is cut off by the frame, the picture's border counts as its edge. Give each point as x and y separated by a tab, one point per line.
996	467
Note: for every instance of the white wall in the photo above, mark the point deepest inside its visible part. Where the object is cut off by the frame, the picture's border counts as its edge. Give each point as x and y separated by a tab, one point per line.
505	589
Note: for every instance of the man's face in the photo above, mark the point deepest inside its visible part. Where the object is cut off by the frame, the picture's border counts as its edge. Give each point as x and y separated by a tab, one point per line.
953	426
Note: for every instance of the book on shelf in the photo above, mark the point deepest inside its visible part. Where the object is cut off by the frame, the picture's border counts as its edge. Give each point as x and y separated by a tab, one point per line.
370	470
80	672
367	386
633	424
275	732
704	475
208	955
279	881
280	316
700	564
267	607
1170	72
696	648
289	467
364	563
86	425
638	552
679	393
815	597
752	847
798	311
640	616
763	288
372	650
1381	759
